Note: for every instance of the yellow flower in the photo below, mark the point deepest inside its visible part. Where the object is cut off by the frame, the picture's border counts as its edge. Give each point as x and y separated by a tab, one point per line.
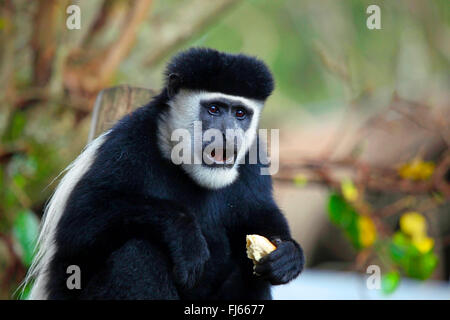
367	231
349	190
413	224
300	180
416	170
423	244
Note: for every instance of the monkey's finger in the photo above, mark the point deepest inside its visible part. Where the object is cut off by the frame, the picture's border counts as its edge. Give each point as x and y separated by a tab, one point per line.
277	254
276	241
263	269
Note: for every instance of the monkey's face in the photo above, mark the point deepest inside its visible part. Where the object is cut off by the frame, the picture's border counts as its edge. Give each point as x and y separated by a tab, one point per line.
224	121
220	128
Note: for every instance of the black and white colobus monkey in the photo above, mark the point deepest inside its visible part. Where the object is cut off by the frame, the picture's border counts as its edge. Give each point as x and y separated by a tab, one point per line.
141	227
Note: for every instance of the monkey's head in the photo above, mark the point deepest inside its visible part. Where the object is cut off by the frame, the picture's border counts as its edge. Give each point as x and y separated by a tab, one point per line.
215	100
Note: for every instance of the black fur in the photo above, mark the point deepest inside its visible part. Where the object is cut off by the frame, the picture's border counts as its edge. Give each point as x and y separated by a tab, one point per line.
214	71
140	228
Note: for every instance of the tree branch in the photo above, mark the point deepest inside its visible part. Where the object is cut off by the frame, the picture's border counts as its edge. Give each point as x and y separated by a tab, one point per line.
87	78
374	178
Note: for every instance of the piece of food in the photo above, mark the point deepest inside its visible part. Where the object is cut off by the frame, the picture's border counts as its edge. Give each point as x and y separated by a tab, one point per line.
258	247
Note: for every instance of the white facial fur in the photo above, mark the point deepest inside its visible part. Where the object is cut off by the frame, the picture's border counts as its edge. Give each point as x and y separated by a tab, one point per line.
184	111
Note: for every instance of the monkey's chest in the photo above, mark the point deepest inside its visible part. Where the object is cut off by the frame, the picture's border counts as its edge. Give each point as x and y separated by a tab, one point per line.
218	267
216	215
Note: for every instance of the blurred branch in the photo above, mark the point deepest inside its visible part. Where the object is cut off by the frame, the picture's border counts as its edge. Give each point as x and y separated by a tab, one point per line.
374	179
31	96
87	78
362	259
112	56
44	41
341	71
340	133
189	18
338	69
422	116
6	155
370	177
105	13
7	38
399	205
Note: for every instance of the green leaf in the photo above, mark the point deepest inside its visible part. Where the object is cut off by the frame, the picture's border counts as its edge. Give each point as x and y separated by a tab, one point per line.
352	231
401	249
19	180
414	263
26	230
429	263
421	267
10	199
336	208
390	282
344	216
16	127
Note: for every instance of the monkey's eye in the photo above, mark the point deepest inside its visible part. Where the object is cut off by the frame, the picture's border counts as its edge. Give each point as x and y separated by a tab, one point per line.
213	109
240	113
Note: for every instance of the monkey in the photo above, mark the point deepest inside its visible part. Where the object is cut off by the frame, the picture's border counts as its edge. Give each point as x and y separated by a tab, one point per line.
141	226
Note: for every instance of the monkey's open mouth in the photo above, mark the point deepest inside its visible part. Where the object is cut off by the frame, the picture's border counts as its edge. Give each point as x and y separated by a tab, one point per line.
220	157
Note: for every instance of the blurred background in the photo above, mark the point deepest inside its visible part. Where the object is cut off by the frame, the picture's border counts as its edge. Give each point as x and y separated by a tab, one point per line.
364	119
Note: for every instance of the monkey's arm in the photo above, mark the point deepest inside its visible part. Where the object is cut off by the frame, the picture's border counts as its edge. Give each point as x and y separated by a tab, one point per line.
94	227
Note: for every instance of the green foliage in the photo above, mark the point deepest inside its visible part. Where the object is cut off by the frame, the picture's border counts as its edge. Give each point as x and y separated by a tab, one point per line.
414	263
403	253
343	215
26	230
390	282
16	127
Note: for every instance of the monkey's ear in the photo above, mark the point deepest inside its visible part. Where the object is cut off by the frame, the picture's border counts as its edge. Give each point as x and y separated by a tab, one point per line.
173	84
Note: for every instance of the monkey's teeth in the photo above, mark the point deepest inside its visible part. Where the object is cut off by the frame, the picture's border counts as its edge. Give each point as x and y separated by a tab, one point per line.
229	160
219	158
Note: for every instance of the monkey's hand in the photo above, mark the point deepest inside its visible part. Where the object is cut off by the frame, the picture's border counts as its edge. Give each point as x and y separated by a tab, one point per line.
283	264
189	250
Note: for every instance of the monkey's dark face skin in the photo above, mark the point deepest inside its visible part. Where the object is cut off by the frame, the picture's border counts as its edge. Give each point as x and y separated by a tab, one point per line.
139	227
225	114
232	119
